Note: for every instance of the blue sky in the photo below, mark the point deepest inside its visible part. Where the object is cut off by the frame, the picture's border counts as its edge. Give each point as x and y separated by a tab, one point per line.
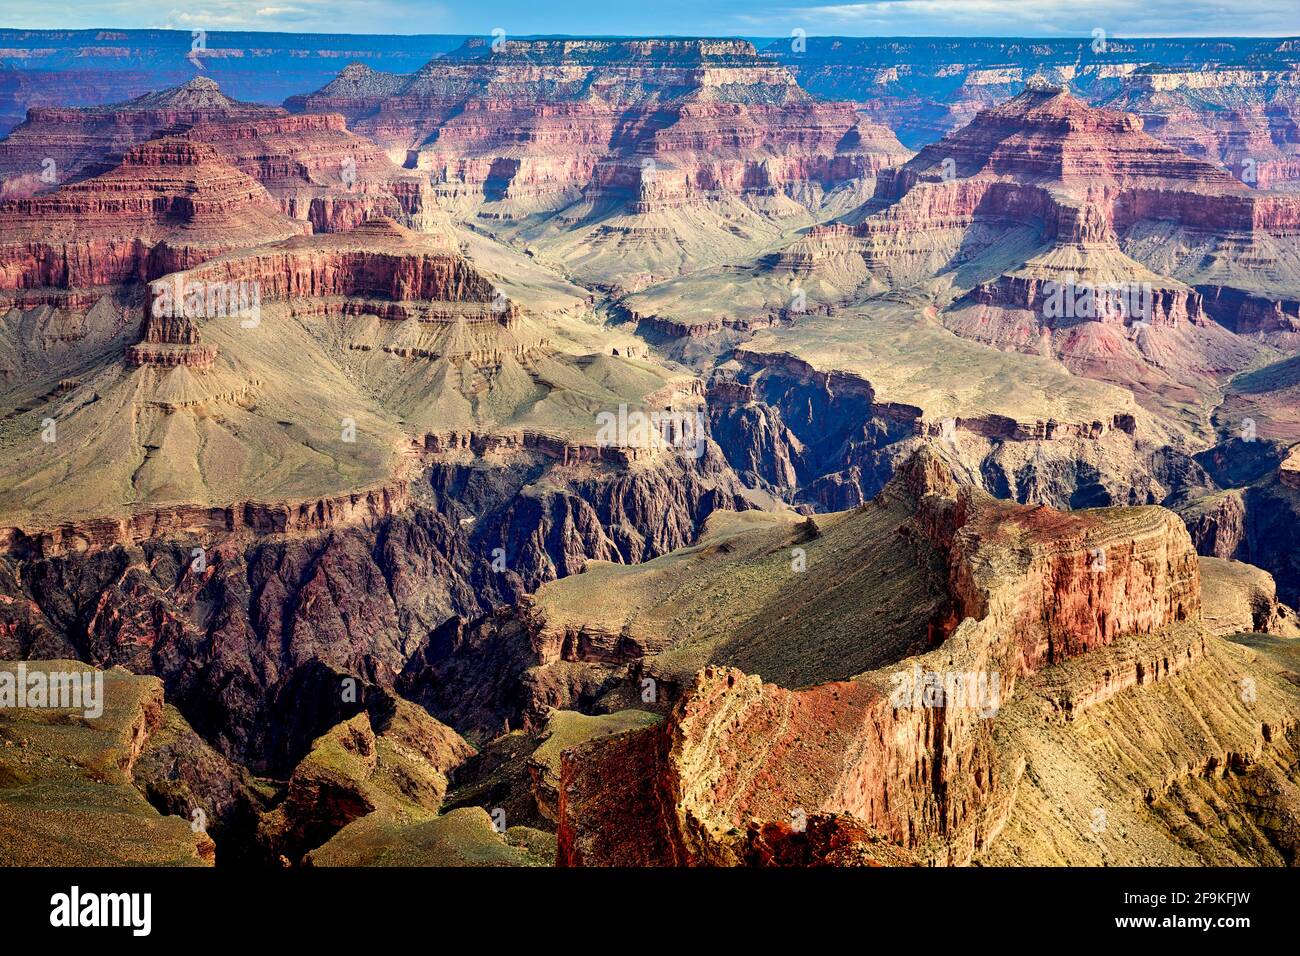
1045	18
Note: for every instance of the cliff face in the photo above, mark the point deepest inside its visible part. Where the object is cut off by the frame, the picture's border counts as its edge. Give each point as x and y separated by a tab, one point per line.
1225	101
316	169
1289	472
1274	320
1088	174
79	140
648	124
256	518
1252	523
245	638
827	439
62	767
1051	221
167	206
1086	583
1079	175
377	260
1048	600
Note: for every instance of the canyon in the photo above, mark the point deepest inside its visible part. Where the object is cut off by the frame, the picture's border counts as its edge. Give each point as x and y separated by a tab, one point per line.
621	161
467	451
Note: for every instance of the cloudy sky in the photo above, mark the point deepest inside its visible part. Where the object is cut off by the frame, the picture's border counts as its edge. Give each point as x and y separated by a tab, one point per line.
1046	18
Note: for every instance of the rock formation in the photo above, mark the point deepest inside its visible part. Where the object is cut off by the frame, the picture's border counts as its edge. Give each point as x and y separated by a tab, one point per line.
1071	612
66	793
606	452
78	140
639	144
1035	227
169	204
1224	100
312	166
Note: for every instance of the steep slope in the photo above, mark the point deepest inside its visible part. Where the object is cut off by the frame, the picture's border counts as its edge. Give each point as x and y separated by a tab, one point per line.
1060	625
1053	228
1254	521
623	160
312	165
66	794
168	205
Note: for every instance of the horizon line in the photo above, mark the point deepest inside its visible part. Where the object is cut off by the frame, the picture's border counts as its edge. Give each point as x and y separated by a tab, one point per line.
1062	38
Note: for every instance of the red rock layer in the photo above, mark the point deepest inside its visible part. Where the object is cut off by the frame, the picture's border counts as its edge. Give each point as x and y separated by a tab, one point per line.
169	205
647	122
1082	176
1098	158
379	259
257	518
417	277
1244	119
81	140
317	170
312	165
1030	587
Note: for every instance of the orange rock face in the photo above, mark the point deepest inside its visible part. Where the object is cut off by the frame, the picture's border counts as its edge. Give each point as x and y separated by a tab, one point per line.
312	166
169	205
1029	587
648	123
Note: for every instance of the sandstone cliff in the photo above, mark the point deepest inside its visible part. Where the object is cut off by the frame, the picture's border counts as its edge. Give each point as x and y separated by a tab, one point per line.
1074	613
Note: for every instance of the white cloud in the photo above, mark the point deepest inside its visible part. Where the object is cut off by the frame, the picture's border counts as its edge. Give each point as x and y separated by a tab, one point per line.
1046	18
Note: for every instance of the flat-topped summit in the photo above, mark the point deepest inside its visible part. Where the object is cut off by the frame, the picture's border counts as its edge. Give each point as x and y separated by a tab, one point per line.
612	51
